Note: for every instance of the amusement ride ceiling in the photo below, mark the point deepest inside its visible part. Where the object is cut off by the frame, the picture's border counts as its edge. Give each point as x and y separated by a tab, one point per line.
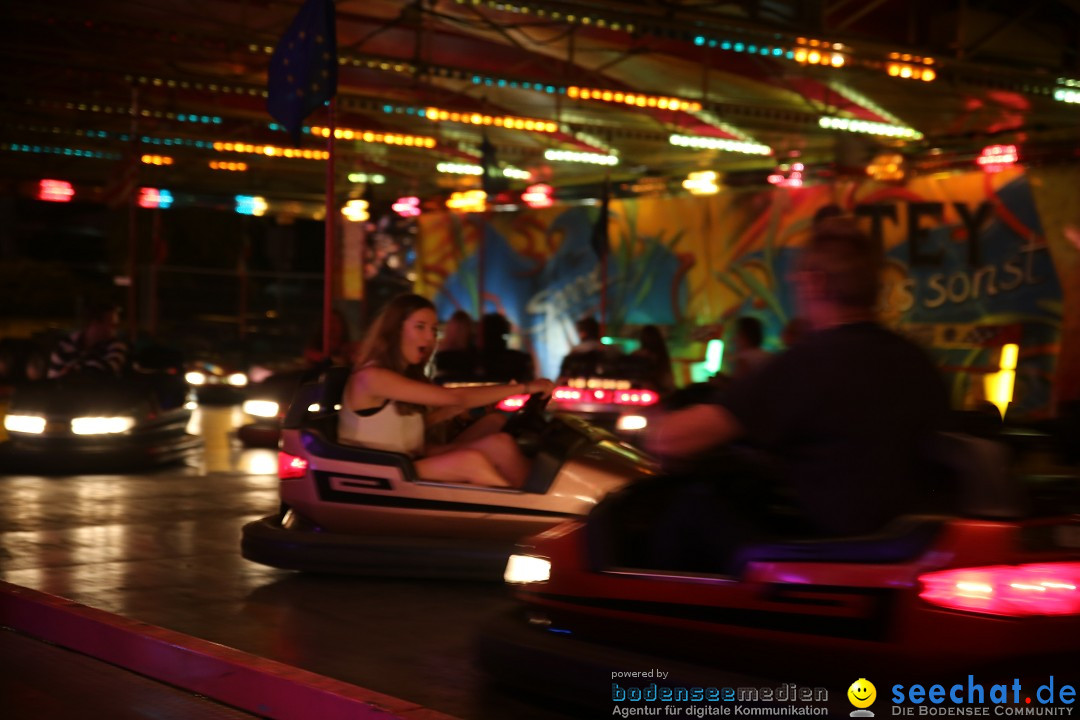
649	90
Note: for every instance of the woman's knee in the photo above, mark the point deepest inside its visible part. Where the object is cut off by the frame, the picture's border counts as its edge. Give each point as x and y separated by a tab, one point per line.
498	442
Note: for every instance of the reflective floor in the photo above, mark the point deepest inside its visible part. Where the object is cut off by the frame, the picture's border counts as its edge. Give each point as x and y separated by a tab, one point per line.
163	548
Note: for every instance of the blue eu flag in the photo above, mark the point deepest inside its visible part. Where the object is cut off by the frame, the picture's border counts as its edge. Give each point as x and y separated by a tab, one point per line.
303	68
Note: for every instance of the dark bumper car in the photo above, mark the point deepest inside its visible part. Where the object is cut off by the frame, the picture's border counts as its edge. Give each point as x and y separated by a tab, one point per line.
266	404
991	592
616	393
97	423
214	383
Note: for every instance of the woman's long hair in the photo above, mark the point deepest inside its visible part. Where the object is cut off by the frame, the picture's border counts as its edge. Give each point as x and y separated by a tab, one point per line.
382	343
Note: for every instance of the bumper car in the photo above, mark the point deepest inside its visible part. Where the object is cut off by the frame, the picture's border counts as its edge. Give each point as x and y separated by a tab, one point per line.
215	383
989	592
614	393
266	404
97	423
350	510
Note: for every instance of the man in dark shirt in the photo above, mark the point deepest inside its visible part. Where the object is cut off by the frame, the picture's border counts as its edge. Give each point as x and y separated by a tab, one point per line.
846	415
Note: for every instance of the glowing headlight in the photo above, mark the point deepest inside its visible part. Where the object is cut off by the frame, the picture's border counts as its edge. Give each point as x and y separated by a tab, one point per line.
195	377
29	424
631	422
261	408
314	408
237	379
101	425
527	569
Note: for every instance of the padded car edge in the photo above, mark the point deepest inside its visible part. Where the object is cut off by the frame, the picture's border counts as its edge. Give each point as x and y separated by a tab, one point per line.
265	541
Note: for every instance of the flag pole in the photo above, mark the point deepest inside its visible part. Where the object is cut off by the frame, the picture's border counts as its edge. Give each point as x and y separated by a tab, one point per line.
331	228
133	240
604	215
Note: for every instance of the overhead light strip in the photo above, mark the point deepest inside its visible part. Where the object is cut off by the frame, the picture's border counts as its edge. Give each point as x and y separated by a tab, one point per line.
504	121
580	157
869	127
370	136
711	143
54	150
633	99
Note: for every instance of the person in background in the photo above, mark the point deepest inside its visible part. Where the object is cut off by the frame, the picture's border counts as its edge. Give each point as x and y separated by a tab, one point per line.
654	353
588	330
497	361
749	356
94	348
589	355
845	416
388	402
456	358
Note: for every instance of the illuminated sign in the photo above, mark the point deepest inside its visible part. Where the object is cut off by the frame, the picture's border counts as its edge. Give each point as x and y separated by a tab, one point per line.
995	158
251	205
356	211
406	206
55	191
155	198
538	196
702	183
468	201
788	175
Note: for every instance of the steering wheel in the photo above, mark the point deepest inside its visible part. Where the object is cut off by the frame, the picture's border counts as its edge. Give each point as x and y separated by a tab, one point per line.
528	420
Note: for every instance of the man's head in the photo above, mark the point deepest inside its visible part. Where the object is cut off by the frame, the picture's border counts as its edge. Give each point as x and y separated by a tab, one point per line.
494	329
838	275
588	328
749	332
102	323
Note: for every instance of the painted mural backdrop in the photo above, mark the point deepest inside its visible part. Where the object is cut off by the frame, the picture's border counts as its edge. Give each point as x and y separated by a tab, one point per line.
969	268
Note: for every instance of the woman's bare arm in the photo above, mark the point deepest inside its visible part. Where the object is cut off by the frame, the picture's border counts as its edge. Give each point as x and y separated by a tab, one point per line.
370	386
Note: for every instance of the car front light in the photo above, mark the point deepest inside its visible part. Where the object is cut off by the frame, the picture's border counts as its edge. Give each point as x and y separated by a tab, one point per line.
101	425
29	424
522	569
237	379
195	377
261	408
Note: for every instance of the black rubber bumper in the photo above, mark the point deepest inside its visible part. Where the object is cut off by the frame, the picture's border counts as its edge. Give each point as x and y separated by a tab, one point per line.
260	434
265	541
63	457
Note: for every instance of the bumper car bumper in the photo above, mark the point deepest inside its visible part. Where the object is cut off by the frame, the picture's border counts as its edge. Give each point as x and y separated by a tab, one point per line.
219	395
263	434
55	455
268	542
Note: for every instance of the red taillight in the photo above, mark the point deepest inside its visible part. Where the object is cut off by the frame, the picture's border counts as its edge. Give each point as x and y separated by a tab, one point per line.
512	403
1014	590
290	466
566	393
636	397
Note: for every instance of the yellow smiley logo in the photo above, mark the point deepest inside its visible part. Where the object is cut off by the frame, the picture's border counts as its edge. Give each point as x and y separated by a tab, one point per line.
862	693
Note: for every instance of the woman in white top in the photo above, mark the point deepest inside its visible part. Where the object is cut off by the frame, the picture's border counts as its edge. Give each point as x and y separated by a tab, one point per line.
389	401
